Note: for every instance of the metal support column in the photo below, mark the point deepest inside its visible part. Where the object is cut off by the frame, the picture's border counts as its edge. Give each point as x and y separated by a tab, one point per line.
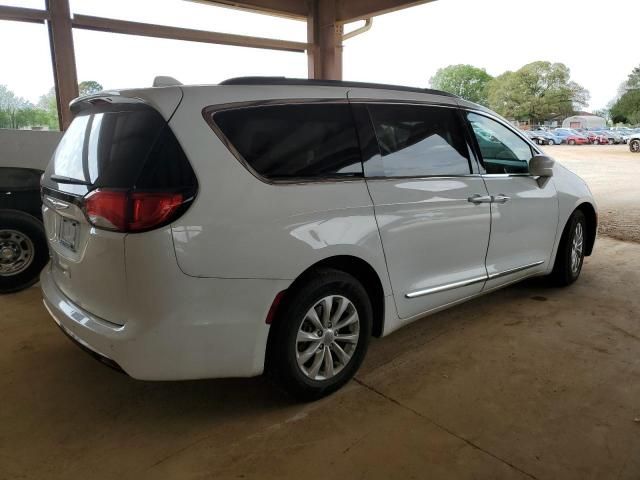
63	58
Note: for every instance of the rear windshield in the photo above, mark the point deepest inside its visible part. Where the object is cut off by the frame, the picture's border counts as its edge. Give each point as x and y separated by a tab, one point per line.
294	141
124	148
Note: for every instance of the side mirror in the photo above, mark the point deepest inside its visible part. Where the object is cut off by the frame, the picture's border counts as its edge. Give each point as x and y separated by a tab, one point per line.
541	166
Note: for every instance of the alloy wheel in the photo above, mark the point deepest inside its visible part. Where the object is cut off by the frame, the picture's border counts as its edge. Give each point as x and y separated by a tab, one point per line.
576	248
327	337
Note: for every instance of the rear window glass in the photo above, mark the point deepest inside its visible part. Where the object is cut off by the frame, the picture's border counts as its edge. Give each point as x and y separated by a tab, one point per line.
294	141
133	148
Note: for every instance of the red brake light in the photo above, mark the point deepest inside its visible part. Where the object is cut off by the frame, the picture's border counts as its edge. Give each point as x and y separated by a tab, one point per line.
124	211
151	209
107	209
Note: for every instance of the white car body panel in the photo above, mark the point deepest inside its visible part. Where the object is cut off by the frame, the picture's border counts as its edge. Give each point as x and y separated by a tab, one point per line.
190	299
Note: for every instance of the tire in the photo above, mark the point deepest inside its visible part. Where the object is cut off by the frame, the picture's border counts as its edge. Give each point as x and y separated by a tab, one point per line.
611	141
571	142
302	375
23	250
634	146
567	268
596	142
552	141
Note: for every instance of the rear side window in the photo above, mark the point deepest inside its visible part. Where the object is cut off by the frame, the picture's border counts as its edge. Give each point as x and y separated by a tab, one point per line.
417	141
130	148
307	141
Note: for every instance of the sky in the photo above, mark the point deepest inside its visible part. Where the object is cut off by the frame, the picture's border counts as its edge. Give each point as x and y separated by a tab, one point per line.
597	40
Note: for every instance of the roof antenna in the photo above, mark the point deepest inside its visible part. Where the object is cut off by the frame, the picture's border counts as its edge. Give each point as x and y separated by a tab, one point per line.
165	81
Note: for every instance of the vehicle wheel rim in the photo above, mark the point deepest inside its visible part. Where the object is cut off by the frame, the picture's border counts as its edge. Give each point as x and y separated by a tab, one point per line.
327	338
576	248
16	252
635	146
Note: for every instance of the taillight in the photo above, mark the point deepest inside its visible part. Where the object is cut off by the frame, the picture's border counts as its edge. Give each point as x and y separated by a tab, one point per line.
126	211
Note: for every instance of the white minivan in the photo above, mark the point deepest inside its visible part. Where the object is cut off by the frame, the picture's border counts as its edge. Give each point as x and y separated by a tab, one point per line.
273	224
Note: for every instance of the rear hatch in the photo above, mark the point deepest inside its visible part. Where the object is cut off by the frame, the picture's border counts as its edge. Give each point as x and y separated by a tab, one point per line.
118	171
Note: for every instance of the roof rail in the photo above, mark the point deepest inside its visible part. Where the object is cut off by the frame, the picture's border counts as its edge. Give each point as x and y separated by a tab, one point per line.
327	83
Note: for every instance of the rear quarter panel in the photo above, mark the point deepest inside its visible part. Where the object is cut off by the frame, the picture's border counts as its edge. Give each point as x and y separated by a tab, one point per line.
242	227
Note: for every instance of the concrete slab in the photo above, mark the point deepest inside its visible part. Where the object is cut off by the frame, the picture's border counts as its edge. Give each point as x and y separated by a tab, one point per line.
529	382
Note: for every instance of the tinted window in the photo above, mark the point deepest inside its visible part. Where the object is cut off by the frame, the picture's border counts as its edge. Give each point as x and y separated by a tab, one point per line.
294	141
132	148
419	141
502	150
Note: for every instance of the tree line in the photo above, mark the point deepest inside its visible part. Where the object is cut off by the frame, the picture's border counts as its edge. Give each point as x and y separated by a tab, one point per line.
536	92
17	112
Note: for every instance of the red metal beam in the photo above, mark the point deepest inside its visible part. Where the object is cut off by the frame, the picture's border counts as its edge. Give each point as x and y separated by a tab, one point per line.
351	10
62	58
176	33
20	14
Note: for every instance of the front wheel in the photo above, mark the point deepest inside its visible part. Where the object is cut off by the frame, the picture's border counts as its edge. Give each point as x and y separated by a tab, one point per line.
321	336
634	146
570	255
23	250
572	142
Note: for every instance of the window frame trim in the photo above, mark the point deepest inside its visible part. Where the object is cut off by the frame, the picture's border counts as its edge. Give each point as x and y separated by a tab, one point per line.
462	123
209	112
476	147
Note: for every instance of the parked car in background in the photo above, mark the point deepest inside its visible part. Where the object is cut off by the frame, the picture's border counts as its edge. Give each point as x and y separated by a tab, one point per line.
271	223
552	138
23	244
570	137
634	142
537	137
596	138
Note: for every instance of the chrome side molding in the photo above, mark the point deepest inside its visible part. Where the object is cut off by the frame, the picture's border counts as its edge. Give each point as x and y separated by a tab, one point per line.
471	281
514	270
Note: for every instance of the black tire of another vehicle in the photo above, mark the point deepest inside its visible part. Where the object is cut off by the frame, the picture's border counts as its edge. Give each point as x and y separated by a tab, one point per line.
20	231
283	348
566	269
634	146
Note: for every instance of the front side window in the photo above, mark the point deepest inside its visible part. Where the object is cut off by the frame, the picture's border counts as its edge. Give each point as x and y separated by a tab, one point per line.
502	150
418	141
294	141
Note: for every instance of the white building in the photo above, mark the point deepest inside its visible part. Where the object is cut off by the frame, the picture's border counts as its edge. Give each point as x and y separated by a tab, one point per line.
584	121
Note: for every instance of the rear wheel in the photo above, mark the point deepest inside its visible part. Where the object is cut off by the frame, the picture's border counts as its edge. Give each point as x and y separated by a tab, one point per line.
570	255
23	250
634	146
321	336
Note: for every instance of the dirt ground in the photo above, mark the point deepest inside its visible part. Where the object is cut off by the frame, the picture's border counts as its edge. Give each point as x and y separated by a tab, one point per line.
529	382
612	173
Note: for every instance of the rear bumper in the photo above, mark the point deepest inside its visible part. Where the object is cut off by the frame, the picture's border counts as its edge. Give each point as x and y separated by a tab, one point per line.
216	332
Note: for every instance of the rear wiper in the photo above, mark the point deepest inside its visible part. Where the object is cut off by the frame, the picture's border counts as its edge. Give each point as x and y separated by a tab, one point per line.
75	181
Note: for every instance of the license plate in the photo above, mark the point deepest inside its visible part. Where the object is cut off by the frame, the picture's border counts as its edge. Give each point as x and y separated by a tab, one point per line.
69	233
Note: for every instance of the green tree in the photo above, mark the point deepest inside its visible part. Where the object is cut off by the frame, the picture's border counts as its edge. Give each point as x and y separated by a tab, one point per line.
634	79
627	108
538	91
466	81
88	87
11	105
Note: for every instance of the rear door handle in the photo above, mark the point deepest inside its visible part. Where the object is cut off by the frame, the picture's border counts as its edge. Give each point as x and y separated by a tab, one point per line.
501	199
477	199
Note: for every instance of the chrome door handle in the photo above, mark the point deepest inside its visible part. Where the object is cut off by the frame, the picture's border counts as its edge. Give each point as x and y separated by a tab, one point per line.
477	199
500	199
